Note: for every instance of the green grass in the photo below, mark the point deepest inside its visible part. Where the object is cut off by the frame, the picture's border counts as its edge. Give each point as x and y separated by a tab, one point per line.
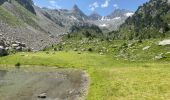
9	17
18	16
110	79
25	15
119	49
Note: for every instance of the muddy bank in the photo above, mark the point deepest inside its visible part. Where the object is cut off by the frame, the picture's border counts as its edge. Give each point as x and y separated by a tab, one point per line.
43	85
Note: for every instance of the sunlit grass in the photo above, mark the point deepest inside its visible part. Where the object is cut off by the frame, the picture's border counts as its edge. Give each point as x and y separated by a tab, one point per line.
110	79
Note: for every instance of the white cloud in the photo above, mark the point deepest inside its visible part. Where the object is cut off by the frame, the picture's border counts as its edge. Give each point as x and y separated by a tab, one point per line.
94	6
53	5
105	4
52	2
116	6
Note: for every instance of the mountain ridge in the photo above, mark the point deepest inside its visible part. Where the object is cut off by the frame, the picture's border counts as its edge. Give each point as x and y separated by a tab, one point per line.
149	21
40	27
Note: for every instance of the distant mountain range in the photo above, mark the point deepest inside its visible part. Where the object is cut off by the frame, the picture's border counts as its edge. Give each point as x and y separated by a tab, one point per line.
21	20
112	21
77	17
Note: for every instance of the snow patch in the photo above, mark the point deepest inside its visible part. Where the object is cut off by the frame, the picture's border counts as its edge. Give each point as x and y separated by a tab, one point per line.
129	14
105	19
116	18
72	17
102	25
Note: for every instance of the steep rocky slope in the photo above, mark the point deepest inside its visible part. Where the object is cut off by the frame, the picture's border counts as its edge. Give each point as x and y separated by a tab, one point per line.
18	23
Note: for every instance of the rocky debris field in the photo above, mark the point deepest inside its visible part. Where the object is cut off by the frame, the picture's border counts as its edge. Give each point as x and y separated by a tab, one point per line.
8	45
43	85
33	39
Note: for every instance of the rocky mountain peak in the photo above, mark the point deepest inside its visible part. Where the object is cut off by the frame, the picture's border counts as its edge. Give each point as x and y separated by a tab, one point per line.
76	12
95	16
75	7
120	13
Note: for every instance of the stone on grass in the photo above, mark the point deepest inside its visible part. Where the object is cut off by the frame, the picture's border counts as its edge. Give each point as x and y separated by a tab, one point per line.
101	53
164	42
146	48
18	48
160	56
83	49
75	49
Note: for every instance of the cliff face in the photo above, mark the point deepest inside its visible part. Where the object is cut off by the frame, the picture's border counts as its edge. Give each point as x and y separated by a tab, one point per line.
28	4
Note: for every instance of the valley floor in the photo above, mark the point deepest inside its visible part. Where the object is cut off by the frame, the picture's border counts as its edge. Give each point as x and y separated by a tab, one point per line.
110	79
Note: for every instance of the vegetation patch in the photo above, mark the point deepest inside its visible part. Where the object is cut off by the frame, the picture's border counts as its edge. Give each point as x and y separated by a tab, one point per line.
8	17
110	78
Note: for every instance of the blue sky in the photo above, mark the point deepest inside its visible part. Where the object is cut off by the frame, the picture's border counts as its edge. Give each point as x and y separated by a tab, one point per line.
103	7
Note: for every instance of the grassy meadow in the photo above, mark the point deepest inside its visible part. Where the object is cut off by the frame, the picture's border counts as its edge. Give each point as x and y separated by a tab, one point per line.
110	79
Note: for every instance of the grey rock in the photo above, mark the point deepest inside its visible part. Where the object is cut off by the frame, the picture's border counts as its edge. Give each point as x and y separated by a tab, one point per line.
42	96
3	52
15	45
146	48
19	48
160	56
164	42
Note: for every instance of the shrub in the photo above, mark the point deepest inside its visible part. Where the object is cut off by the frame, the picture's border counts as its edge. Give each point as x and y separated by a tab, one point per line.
90	49
17	65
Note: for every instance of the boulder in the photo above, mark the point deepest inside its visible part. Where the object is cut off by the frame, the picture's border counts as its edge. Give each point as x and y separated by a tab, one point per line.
42	96
2	43
161	30
146	48
18	48
22	44
164	42
15	45
101	53
3	51
160	56
75	49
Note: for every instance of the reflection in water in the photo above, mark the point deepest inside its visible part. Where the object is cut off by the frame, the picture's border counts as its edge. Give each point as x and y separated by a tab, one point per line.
3	73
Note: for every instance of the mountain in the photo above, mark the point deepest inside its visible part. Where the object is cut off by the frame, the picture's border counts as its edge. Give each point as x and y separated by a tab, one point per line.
76	12
21	21
149	21
95	16
123	13
111	22
66	18
28	4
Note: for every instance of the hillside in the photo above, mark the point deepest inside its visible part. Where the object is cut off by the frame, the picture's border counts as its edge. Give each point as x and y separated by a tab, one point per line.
151	20
38	28
24	23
